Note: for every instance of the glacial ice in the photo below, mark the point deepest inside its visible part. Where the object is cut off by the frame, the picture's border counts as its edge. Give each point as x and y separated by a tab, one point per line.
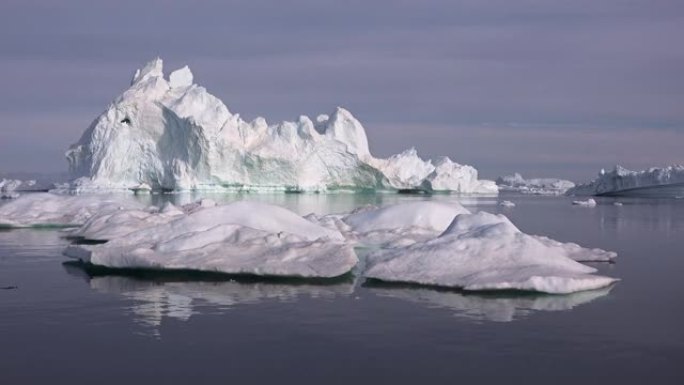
484	251
660	182
535	186
175	135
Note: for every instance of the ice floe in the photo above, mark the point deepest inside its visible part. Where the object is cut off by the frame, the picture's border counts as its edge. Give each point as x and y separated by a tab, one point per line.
586	203
47	209
239	238
484	251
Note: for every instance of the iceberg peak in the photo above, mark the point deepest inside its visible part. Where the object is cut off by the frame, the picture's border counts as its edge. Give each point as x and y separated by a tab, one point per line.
181	78
176	135
153	68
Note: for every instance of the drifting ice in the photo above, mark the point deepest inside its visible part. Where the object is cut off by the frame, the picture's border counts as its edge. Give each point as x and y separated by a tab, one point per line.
661	182
175	135
536	186
420	242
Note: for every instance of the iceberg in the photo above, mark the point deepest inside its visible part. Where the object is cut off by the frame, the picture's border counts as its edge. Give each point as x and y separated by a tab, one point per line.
485	251
653	182
174	135
535	186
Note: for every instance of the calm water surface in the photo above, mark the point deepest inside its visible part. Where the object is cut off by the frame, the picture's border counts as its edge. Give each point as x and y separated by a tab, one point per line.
65	324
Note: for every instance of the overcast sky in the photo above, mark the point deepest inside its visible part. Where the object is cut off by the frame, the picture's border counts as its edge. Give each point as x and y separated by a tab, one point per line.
546	88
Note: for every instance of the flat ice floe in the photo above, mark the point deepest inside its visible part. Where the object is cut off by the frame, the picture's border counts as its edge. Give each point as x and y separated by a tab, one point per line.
657	182
484	251
238	238
173	134
425	242
46	209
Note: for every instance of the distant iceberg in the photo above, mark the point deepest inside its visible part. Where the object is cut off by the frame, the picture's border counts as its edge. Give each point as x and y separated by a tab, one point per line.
174	135
535	186
653	182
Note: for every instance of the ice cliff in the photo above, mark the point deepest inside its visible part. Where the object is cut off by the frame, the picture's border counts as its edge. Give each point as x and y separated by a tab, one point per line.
661	182
172	134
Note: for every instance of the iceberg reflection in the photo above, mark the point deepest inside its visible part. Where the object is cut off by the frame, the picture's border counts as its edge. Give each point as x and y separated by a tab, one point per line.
497	307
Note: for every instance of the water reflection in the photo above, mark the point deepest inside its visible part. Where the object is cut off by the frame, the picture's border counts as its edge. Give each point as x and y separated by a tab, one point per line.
179	295
497	307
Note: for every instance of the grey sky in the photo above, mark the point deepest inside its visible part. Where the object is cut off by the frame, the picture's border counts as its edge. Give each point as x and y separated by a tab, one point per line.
547	88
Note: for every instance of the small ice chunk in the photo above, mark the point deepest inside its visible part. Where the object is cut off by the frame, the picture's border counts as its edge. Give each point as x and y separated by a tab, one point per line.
587	203
506	204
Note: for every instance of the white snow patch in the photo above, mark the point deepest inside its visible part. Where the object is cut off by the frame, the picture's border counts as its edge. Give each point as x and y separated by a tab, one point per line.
239	238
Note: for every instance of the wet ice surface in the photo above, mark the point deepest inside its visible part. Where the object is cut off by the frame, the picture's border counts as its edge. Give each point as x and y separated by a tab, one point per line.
66	323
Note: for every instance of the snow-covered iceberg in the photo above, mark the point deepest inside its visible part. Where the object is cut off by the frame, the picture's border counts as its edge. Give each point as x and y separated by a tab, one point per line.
535	186
172	134
484	251
656	182
239	238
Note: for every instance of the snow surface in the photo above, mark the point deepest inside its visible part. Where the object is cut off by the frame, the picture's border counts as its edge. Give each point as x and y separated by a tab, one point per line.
424	242
484	251
668	181
239	238
175	135
46	209
536	186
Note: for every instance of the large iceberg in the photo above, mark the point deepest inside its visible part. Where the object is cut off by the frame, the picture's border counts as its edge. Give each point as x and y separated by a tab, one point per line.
535	186
658	182
172	134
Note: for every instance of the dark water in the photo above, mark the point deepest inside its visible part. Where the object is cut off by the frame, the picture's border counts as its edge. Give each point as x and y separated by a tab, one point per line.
65	324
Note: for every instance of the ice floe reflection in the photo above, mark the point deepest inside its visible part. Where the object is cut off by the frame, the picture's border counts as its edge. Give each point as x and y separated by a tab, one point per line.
179	295
167	295
496	307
